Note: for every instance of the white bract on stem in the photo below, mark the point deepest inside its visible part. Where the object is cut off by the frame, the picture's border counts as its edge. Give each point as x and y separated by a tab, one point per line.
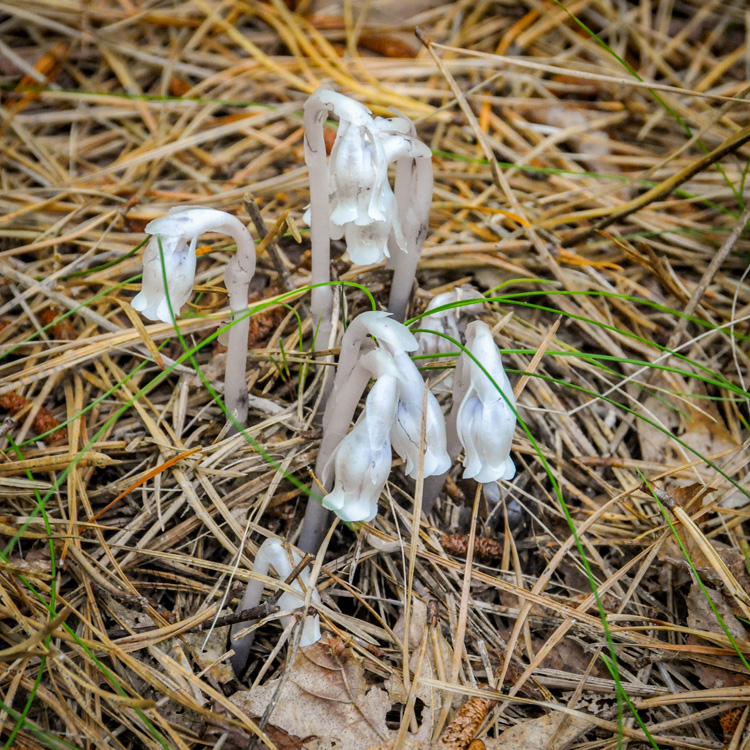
483	418
448	322
173	242
351	196
357	464
274	556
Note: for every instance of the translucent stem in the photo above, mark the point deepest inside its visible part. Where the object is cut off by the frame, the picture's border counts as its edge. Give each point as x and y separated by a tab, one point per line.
402	194
321	304
415	223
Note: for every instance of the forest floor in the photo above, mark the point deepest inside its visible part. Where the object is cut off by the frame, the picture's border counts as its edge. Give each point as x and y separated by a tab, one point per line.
590	161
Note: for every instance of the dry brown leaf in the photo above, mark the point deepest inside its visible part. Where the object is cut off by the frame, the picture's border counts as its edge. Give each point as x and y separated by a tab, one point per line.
236	739
701	617
209	657
729	722
537	733
326	698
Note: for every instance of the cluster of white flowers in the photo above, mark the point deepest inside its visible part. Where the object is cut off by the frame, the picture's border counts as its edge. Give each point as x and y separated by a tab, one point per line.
391	419
362	205
483	417
352	198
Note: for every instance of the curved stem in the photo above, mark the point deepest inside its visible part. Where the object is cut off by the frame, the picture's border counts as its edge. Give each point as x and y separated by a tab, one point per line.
251	598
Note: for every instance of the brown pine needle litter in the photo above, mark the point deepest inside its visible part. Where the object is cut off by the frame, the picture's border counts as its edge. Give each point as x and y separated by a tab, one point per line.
591	161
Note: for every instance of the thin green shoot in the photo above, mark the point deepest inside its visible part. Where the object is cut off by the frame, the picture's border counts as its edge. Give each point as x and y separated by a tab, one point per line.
21	720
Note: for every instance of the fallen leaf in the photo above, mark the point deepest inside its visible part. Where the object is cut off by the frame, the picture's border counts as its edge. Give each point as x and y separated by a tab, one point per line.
325	698
210	657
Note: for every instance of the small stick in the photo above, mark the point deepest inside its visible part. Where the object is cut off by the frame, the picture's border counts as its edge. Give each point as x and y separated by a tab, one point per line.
257	612
273	249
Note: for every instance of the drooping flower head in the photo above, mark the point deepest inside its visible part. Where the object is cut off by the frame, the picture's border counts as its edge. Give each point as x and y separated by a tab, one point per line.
362	206
274	556
179	269
392	416
362	460
406	431
178	233
484	420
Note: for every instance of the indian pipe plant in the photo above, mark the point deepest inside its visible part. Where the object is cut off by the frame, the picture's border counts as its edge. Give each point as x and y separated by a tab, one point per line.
351	198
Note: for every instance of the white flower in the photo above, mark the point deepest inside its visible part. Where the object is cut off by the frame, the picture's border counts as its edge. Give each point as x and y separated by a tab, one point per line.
178	232
395	340
362	207
448	322
362	460
179	268
407	426
368	243
485	422
358	175
272	555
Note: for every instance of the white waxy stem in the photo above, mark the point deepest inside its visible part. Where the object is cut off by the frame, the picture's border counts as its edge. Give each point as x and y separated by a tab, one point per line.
414	218
483	420
178	233
274	556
